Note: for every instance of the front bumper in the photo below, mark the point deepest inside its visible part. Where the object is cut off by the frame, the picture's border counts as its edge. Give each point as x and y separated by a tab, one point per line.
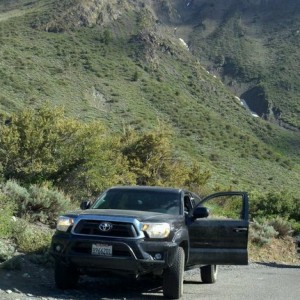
131	256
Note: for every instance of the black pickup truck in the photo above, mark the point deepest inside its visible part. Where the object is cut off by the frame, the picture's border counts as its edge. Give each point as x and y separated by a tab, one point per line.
138	230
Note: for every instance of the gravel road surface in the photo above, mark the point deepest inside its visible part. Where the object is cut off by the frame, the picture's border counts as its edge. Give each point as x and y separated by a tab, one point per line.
255	281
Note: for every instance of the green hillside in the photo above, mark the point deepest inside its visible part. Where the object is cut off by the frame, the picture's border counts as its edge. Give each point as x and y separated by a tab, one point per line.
122	63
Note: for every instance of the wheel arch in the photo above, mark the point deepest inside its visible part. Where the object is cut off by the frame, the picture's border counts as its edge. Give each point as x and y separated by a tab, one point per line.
181	238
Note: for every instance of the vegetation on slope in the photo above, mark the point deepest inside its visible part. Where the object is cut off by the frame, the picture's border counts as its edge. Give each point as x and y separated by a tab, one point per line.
40	146
254	46
123	70
45	150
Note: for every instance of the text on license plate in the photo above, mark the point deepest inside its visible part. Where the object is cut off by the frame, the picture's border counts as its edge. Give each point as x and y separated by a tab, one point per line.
101	249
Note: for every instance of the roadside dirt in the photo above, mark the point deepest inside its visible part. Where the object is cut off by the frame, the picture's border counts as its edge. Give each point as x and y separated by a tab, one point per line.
30	280
34	281
273	281
278	250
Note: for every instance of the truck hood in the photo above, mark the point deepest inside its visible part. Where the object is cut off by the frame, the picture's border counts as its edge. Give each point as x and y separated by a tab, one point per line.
142	216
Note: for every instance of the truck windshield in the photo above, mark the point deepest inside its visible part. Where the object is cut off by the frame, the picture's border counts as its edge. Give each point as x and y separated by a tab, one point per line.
167	202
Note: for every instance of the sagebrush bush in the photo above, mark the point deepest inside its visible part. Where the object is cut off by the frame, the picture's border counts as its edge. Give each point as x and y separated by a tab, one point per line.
6	214
45	205
295	227
16	194
37	203
282	226
261	232
31	238
7	250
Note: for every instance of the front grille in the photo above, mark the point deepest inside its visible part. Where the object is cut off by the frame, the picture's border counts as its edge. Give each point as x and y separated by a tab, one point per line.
119	229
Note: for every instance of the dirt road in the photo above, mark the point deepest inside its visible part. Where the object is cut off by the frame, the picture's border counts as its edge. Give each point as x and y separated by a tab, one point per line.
256	281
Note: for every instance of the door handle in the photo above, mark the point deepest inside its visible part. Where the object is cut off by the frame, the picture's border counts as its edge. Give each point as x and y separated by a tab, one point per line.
240	229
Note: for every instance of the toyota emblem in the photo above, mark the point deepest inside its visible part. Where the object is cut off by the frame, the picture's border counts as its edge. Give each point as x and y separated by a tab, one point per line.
105	226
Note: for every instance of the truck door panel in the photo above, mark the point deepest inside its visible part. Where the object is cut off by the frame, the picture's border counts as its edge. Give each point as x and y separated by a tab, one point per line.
222	237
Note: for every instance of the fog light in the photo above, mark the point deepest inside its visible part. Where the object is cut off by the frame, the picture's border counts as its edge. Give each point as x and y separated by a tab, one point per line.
157	256
58	248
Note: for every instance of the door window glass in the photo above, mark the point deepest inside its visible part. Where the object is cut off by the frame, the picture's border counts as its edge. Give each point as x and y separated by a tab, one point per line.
225	207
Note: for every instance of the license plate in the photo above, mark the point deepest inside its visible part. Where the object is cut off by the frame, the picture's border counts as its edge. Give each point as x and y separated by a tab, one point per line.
101	250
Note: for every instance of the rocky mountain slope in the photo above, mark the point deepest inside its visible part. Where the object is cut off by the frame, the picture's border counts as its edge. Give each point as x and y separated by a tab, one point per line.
182	63
252	45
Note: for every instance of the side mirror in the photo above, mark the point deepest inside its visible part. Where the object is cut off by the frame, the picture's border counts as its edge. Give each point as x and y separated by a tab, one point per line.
85	205
200	212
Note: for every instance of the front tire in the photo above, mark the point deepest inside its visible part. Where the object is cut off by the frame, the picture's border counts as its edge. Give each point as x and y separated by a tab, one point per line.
209	273
66	277
173	277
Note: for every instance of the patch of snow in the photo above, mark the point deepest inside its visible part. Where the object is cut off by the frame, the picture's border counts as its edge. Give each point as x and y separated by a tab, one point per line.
244	104
183	43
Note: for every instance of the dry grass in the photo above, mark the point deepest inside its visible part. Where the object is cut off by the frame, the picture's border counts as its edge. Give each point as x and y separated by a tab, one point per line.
278	250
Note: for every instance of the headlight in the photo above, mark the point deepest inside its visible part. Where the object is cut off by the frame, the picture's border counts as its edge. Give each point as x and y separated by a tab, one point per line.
64	223
156	230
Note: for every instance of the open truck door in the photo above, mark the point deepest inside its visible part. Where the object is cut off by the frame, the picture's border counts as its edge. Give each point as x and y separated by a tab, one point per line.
220	237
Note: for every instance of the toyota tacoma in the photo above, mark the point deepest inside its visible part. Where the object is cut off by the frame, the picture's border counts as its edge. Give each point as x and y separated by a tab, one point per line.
139	230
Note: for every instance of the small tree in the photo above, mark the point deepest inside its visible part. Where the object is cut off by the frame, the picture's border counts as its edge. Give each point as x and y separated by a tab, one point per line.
148	156
135	76
107	37
151	158
29	144
43	145
104	165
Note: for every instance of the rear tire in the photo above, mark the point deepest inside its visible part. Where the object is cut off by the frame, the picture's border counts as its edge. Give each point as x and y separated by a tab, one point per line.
66	277
173	277
209	273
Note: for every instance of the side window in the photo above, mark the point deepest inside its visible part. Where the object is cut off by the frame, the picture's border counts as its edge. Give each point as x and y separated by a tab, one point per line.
187	204
225	207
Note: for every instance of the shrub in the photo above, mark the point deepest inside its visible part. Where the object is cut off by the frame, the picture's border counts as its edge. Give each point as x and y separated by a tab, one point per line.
7	250
45	205
107	37
151	158
37	203
43	144
16	194
28	144
31	238
273	204
282	226
135	76
261	233
6	214
295	226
